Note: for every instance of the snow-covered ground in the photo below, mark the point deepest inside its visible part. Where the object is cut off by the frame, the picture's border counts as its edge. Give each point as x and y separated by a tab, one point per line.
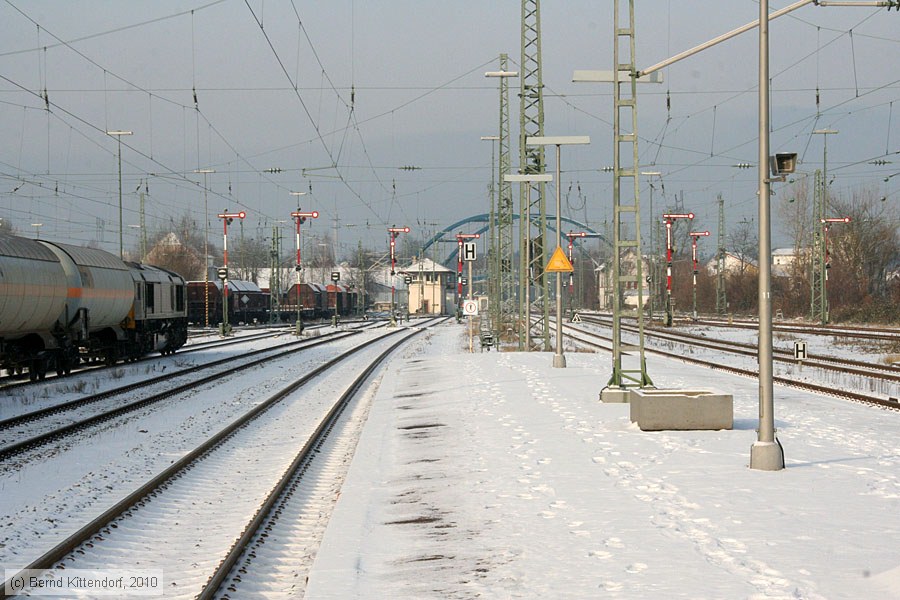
494	475
56	489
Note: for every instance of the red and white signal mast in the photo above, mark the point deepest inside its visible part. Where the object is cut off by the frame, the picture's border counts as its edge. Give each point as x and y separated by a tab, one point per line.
300	217
460	239
669	220
227	219
394	232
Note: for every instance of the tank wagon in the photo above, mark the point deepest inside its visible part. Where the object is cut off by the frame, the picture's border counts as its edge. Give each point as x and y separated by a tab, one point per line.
62	304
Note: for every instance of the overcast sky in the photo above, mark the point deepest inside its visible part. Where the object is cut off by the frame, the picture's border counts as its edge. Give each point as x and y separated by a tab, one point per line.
273	87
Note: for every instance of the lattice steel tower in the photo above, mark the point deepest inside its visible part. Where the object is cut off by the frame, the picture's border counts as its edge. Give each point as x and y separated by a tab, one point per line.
505	253
531	160
721	298
819	300
627	258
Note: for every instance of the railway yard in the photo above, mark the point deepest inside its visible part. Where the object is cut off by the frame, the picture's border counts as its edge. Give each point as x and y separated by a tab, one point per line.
374	461
277	322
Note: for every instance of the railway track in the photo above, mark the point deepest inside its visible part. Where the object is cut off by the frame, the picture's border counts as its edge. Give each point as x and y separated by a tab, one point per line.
12	382
832	365
34	429
844	365
886	334
188	521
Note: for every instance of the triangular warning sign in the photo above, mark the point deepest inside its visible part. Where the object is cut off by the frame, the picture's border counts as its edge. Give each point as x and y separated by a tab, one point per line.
576	318
559	263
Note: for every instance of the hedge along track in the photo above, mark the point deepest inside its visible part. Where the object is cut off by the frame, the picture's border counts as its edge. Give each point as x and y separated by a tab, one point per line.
812	387
93	533
17	448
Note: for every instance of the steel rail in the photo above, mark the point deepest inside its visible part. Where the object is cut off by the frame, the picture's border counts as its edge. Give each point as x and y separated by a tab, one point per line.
305	456
97	525
17	448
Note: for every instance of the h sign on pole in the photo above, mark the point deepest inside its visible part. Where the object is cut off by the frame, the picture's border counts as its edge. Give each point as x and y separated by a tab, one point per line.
469	251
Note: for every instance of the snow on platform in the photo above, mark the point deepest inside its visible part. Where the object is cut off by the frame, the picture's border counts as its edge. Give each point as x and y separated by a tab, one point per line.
494	475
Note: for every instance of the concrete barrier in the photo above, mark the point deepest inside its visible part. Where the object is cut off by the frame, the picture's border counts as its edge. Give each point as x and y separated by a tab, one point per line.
656	410
615	395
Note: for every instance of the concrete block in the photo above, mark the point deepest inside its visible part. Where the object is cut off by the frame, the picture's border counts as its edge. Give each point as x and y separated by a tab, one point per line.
656	410
615	395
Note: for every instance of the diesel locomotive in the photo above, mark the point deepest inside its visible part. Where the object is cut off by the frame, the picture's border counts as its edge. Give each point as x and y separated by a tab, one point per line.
61	305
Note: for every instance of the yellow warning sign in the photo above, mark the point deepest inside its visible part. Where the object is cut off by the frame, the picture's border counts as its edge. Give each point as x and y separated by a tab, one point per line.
559	263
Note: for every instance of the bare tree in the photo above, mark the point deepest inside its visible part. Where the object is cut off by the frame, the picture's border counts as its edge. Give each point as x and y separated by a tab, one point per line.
252	257
7	227
744	243
862	254
792	293
179	246
795	215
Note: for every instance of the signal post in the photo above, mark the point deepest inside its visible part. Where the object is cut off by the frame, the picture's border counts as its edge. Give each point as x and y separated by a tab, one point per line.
227	219
669	220
694	236
468	253
394	232
300	218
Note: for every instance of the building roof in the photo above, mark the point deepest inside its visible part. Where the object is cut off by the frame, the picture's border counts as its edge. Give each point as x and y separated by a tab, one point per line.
426	264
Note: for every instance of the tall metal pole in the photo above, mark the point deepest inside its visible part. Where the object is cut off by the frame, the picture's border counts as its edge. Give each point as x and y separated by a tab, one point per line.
143	230
205	245
559	358
820	210
527	182
766	453
652	221
493	263
118	135
505	253
721	298
121	246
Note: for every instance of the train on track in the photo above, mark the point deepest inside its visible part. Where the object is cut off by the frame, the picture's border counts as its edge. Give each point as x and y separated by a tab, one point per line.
248	303
61	305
